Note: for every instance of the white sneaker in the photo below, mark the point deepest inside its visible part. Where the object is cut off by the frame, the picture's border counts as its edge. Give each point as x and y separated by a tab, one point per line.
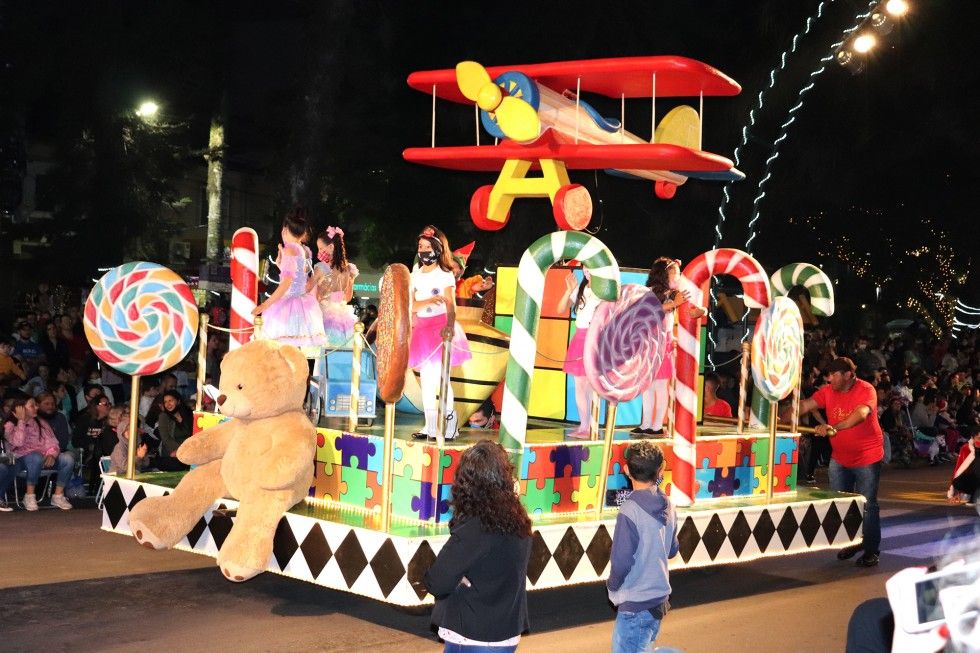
61	501
4	507
30	502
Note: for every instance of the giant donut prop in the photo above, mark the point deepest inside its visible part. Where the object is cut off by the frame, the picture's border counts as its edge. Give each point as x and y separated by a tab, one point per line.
394	332
625	344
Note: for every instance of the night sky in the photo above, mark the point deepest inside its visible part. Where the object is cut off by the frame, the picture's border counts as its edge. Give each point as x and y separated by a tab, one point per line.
316	98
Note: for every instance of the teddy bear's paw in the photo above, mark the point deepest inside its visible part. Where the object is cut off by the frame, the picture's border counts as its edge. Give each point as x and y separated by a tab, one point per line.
238	573
148	526
145	537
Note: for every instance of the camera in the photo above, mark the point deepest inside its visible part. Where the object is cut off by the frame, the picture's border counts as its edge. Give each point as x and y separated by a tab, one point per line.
918	608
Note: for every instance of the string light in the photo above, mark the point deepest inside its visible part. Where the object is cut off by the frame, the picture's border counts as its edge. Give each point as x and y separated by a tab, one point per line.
726	195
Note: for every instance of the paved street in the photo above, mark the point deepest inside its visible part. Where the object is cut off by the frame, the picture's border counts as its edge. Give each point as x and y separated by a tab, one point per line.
66	585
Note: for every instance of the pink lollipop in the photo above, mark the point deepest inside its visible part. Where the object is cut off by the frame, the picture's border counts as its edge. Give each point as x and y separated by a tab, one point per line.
625	344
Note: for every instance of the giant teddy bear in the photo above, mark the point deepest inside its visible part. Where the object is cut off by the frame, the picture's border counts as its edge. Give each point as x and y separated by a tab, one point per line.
263	457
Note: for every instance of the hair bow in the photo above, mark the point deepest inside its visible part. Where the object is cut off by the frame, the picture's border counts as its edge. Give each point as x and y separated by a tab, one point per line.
335	231
428	232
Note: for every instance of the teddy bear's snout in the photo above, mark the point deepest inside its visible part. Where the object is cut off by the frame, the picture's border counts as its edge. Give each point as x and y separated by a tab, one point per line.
221	399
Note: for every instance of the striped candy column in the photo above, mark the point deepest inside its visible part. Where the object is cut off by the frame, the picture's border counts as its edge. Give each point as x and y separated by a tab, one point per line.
755	286
244	285
821	291
541	255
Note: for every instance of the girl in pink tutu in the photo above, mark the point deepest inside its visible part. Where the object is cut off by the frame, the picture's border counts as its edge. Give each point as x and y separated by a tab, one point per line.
333	278
433	292
585	301
291	314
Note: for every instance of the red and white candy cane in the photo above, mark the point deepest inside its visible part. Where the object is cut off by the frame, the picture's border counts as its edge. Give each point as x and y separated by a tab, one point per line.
244	285
755	286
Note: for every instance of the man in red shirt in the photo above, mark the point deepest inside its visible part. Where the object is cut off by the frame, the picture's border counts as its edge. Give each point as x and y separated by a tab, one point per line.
856	443
712	404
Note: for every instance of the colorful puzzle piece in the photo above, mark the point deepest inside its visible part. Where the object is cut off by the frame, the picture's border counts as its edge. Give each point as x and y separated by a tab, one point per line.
425	502
703	479
725	483
565	487
743	453
326	451
357	491
784	479
786	450
708	452
539	496
542	466
747	480
327	483
760	452
404	491
411	455
374	485
354	447
448	463
759	487
568	460
586	492
591	463
617	479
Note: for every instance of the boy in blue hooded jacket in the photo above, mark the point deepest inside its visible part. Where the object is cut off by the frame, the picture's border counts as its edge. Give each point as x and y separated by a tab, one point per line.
644	539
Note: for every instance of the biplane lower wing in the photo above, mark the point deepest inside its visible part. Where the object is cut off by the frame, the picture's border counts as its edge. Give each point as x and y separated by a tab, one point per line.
581	156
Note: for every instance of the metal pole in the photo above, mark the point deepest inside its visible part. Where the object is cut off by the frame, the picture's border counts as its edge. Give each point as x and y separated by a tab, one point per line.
202	361
134	415
257	328
387	467
443	409
742	382
794	423
355	376
730	421
773	418
594	417
606	454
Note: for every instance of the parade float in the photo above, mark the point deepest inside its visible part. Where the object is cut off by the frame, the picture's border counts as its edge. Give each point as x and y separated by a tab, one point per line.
378	510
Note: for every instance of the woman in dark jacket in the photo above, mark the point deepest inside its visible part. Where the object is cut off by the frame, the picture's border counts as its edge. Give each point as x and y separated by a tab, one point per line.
175	424
479	578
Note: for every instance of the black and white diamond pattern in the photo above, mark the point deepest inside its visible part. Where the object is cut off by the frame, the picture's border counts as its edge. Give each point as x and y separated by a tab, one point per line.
389	568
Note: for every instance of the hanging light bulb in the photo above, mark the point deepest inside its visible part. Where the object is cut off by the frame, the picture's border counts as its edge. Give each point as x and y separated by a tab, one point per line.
897	7
865	43
844	57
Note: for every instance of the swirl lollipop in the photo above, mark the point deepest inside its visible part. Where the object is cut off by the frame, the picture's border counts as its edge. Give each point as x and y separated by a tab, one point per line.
777	349
625	344
141	318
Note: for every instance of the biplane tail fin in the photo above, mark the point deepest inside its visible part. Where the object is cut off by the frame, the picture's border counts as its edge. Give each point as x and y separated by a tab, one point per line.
681	126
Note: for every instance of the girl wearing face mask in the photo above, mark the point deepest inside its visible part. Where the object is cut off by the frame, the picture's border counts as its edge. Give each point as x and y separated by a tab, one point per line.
579	295
433	292
291	314
664	281
333	278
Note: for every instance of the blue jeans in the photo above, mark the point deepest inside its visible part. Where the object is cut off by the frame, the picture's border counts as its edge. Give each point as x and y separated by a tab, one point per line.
463	648
32	463
863	481
6	476
634	631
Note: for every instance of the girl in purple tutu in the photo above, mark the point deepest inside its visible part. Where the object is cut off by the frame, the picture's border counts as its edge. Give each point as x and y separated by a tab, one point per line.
291	314
333	278
433	293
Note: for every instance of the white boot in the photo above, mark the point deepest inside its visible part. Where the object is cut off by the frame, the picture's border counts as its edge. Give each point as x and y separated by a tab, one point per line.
429	430
452	425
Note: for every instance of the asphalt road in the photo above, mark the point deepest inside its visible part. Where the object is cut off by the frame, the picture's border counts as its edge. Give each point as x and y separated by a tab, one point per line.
65	585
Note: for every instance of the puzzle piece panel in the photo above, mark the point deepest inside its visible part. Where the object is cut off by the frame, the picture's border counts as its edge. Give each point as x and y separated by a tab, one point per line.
356	492
708	453
786	450
784	479
565	487
567	460
355	450
327	483
326	450
539	497
586	492
725	483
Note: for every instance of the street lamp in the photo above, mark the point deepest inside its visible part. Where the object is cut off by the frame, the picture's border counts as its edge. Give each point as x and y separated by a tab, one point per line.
148	110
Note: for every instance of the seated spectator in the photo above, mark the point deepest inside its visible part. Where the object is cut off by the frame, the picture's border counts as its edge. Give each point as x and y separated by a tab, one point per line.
119	457
94	437
94	378
712	404
25	345
966	474
175	424
167	382
34	447
47	409
54	347
10	369
39	382
897	427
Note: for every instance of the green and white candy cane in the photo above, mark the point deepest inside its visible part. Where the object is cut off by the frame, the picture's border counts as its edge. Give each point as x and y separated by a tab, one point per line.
821	291
541	255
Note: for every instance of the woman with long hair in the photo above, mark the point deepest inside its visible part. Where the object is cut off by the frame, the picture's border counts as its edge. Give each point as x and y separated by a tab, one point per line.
433	296
333	278
291	314
580	296
663	281
479	577
35	447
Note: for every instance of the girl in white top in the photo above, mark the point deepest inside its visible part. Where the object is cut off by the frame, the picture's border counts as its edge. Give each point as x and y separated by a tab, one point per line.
585	303
433	292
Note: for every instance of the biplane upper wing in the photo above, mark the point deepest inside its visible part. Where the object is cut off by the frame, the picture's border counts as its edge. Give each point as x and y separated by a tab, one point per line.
631	77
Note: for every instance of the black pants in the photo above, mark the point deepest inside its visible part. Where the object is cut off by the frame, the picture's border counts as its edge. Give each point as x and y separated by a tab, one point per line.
969	481
871	627
168	464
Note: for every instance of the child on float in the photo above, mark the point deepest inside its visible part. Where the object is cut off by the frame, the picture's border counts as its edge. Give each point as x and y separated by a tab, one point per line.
333	279
579	295
645	539
664	280
432	292
291	314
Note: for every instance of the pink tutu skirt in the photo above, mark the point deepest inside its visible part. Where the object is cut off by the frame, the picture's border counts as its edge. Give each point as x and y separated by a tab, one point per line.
426	347
295	321
666	370
575	356
338	321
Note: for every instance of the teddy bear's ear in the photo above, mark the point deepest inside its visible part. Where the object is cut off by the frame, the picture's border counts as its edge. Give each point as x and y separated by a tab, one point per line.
294	358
